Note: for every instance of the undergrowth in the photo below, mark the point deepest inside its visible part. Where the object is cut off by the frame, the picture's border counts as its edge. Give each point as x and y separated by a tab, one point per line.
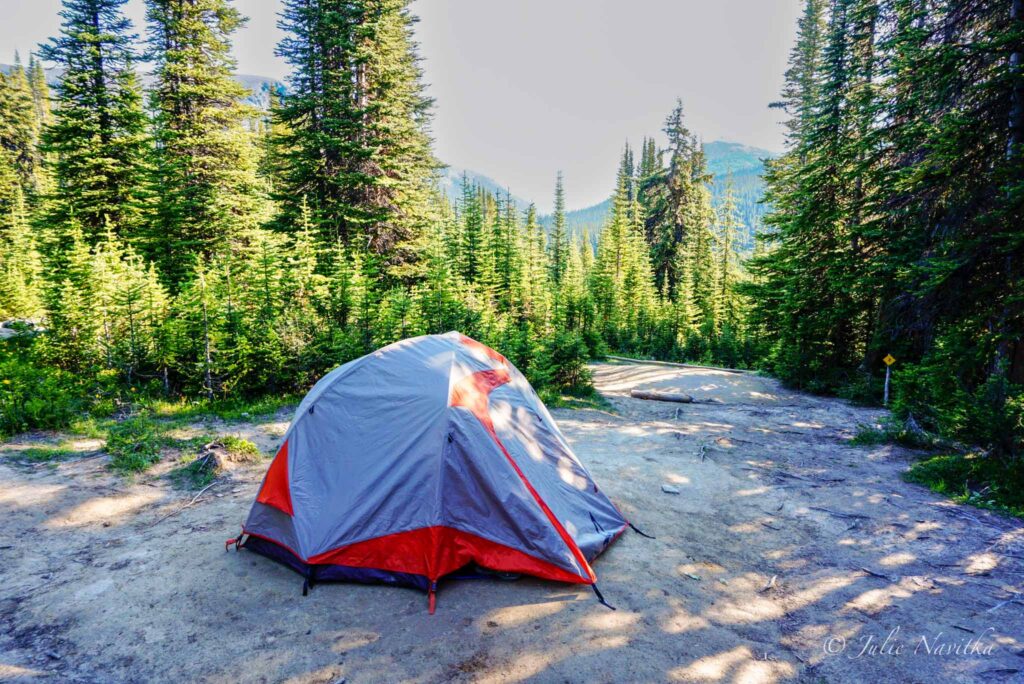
196	470
974	479
225	409
43	454
134	444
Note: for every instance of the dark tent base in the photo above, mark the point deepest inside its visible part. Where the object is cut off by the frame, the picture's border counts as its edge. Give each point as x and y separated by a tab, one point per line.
332	573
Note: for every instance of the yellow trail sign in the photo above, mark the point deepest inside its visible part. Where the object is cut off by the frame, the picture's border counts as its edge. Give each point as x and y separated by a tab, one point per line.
889	359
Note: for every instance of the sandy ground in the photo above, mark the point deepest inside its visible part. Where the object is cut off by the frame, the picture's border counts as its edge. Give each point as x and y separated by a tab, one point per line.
787	555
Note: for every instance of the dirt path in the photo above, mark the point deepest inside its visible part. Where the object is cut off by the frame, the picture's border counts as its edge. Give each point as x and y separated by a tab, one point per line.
784	542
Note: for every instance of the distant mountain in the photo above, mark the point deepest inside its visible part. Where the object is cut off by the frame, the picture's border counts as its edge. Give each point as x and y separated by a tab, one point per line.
451	184
260	86
744	162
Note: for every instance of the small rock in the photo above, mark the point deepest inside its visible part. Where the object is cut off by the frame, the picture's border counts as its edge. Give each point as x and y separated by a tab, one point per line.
53	655
669	489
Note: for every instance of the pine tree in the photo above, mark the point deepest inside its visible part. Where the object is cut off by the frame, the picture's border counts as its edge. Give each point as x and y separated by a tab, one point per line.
21	267
19	140
800	89
558	244
727	304
699	218
668	196
208	193
355	120
40	91
97	140
535	286
71	304
471	243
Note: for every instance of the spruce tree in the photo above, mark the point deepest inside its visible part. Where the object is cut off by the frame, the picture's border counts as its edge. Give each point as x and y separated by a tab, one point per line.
97	139
21	266
470	249
558	243
727	304
19	141
354	123
208	193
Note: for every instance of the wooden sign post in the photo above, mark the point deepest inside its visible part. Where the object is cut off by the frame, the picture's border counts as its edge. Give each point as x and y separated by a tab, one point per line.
889	360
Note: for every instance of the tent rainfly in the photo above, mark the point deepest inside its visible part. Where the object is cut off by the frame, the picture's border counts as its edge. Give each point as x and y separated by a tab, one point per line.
425	460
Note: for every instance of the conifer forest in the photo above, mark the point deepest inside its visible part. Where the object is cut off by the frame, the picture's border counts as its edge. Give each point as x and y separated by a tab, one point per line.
171	241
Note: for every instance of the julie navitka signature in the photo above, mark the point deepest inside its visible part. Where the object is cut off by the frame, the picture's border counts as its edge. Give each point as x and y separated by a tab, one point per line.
938	644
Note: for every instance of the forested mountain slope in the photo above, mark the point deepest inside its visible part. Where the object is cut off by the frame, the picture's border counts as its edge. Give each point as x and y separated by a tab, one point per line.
745	163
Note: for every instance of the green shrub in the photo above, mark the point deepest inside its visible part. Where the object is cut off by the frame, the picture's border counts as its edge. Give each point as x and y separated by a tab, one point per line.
240	449
561	365
34	396
870	435
134	444
974	479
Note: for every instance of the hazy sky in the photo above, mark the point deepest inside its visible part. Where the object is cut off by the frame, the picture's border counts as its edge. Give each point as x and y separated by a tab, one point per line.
524	88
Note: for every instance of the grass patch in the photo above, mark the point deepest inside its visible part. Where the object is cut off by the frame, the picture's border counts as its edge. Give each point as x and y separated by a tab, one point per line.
200	467
973	479
240	449
894	431
225	409
871	435
193	473
43	454
134	444
88	425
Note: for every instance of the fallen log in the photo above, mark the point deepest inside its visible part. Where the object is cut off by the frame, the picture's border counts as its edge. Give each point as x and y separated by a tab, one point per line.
652	395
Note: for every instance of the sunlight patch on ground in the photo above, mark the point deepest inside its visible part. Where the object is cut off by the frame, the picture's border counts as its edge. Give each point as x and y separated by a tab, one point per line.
275	429
755	491
745	604
894	560
981	563
739	666
105	509
874	601
675	478
513	616
607	620
15	673
35	495
349	640
681	620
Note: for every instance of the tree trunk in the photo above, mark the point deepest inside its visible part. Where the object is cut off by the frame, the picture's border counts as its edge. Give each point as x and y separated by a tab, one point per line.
652	395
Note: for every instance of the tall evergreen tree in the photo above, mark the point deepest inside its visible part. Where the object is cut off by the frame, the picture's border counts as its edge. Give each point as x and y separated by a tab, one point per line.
20	159
98	138
355	126
558	243
208	193
727	304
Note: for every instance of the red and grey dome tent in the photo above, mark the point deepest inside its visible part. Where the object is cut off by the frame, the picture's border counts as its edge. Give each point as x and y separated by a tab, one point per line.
423	458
